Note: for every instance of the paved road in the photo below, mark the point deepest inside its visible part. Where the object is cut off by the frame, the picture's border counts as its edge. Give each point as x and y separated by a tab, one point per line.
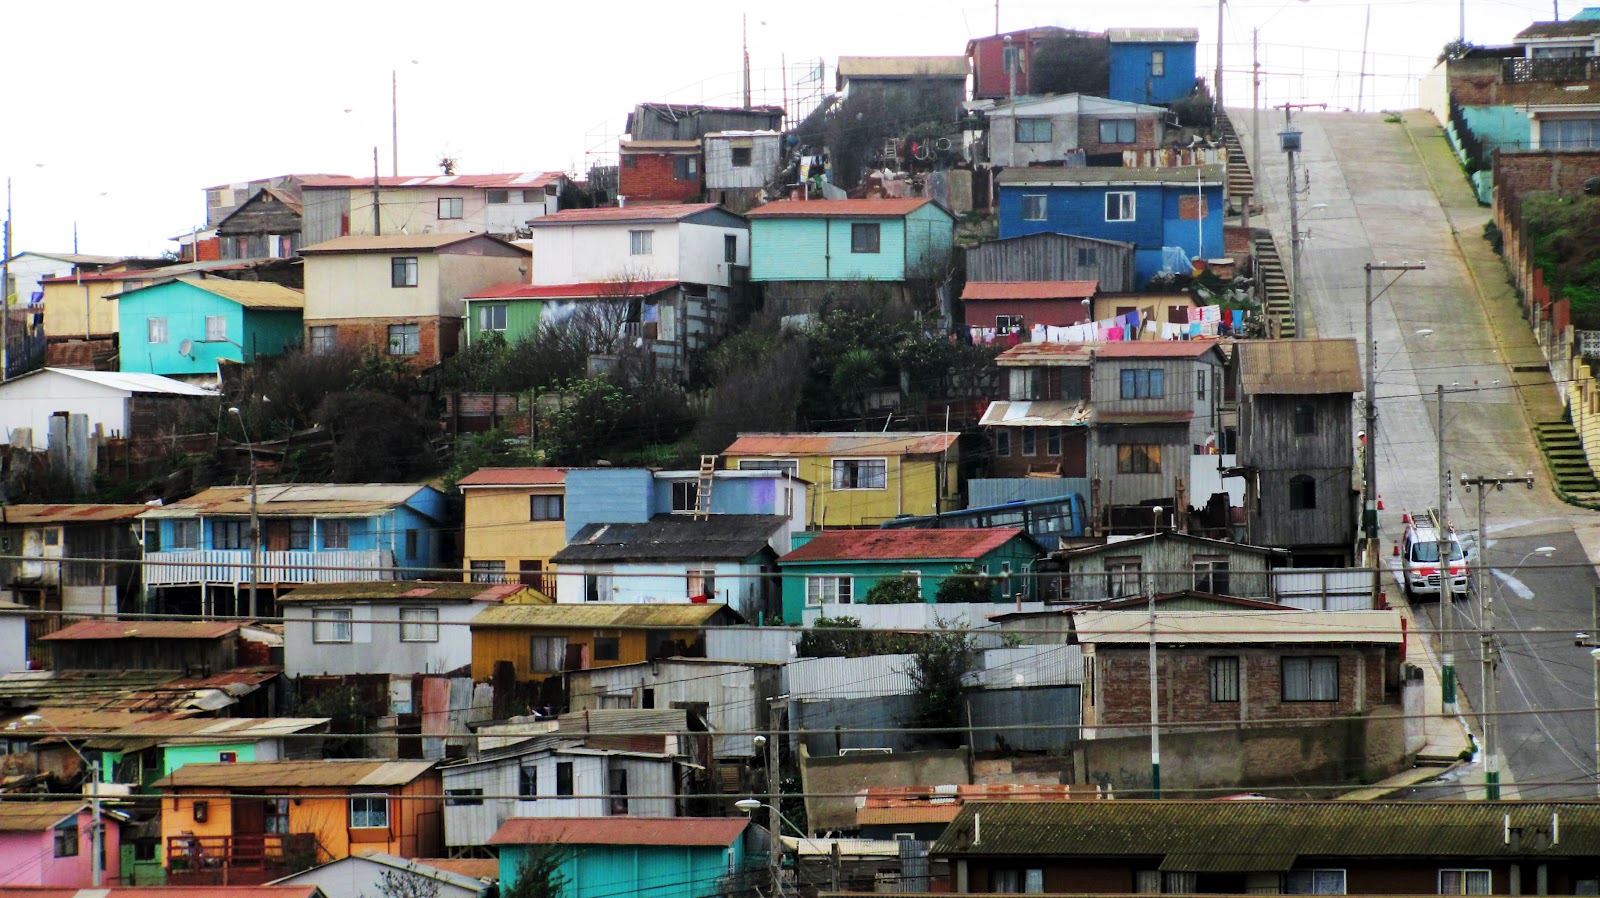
1389	192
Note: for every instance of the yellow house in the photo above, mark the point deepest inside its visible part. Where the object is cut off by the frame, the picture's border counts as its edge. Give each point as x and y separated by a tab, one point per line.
859	479
515	520
542	641
75	307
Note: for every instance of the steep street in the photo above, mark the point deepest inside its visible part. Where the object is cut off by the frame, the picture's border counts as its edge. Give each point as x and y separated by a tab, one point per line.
1383	191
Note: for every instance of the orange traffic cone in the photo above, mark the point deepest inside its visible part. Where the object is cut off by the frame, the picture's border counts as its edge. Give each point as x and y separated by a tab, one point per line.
1380	501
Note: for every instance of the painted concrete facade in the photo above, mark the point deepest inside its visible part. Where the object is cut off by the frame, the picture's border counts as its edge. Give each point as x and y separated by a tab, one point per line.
187	314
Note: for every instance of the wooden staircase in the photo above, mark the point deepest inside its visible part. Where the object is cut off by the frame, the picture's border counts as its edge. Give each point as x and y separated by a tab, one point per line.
1563	451
1275	299
1240	183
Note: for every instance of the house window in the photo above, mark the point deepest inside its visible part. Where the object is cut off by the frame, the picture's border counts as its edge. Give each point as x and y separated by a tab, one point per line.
492	316
702	583
1002	442
546	654
685	168
151	535
564	779
67	840
860	473
403	271
685	495
1225	679
528	781
1123	577
1087	256
419	625
1139	458
157	329
1211	575
537	196
1143	383
275	816
730	249
1052	444
216	328
369	812
413	543
864	237
230	534
1120	205
299	534
1200	379
335	534
786	465
741	157
332	625
1305	419
617	789
1017	882
641	243
1011	59
324	339
608	648
456	798
488	571
1456	881
630	161
1034	130
1034	206
1302	493
185	534
1030	441
828	591
450	208
1311	678
1313	882
1006	323
546	508
1158	63
405	339
497	197
1569	134
1118	130
597	587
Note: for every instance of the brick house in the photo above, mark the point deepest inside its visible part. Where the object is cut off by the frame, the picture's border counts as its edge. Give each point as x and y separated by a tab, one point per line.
660	171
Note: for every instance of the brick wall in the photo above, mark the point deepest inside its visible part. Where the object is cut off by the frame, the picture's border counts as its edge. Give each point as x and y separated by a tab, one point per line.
1089	134
651	177
438	338
1516	174
1473	81
1238	241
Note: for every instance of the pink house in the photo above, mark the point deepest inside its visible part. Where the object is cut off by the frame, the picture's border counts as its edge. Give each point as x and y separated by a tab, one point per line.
49	843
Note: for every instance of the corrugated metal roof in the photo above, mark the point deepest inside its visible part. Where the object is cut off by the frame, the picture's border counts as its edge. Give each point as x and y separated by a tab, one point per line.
1569	28
1152	35
1030	354
393	242
668	537
131	381
470	867
68	514
1004	413
1154	349
164	892
615	214
1182	176
863	208
515	477
1546	93
805	444
666	831
17	816
902	67
200	730
147	629
604	614
325	499
1238	627
1267	829
1299	367
249	294
295	774
955	544
508	179
408	590
981	290
588	290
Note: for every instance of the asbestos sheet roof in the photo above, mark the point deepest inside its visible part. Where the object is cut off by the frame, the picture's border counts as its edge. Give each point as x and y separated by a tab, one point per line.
296	774
131	381
902	67
68	514
515	477
1182	176
862	208
1265	832
1239	627
1154	349
668	537
588	290
981	290
707	832
1152	35
616	214
1036	414
1025	355
143	629
605	614
508	179
408	591
17	816
1298	367
395	242
200	730
325	499
954	544
1570	28
806	444
248	294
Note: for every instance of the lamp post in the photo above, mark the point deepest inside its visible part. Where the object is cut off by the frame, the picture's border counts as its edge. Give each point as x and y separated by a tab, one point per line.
96	836
1591	641
749	806
255	518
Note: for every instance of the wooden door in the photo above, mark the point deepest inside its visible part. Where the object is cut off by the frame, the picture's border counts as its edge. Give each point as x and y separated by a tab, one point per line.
277	536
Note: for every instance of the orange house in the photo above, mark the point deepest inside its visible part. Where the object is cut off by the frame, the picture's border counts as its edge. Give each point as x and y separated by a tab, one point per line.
248	823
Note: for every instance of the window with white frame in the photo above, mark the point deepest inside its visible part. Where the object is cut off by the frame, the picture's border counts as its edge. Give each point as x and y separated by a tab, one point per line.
186	534
324	339
597	587
1464	881
1311	678
685	495
216	328
1123	577
369	812
1006	324
1158	63
641	243
1118	130
828	591
1225	679
332	625
1034	130
1313	882
702	583
860	473
451	208
156	329
419	625
403	271
1035	206
492	316
488	571
497	197
1120	205
528	782
1029	881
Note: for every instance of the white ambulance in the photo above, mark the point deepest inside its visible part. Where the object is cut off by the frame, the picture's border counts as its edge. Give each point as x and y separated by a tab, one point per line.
1419	555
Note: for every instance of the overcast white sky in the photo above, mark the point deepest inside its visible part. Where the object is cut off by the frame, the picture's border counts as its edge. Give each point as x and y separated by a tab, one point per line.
121	112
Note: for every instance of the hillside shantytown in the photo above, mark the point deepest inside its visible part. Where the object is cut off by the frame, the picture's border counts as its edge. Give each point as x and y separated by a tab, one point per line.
1005	470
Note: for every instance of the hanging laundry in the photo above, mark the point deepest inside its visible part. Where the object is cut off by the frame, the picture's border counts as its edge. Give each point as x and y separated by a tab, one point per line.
1037	333
1194	330
1211	314
1113	334
1194	314
1238	319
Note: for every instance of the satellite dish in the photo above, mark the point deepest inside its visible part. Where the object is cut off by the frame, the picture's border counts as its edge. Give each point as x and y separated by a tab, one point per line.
186	349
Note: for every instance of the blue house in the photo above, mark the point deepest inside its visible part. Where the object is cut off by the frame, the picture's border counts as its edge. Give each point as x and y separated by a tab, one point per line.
185	326
1150	208
882	240
1152	65
640	857
635	495
197	552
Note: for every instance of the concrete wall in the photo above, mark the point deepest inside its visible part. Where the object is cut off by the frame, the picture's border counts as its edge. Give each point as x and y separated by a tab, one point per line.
376	648
850	773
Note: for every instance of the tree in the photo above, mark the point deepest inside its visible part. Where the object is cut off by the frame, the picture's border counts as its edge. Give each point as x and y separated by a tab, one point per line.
407	884
1456	49
377	437
965	584
901	589
539	875
936	670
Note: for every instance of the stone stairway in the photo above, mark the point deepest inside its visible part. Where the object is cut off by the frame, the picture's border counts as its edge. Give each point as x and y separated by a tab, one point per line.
1275	300
1564	452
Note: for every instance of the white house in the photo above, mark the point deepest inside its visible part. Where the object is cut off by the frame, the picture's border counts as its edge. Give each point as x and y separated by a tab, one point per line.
500	204
13	636
362	876
110	400
27	269
1038	130
731	696
697	243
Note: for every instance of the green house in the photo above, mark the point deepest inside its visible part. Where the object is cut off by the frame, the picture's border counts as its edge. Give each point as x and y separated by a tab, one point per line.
187	325
883	240
840	567
638	857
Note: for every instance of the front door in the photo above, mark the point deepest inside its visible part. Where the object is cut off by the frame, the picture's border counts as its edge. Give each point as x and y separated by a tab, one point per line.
277	536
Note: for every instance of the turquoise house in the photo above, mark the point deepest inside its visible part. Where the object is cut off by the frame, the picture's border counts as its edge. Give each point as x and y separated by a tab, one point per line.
839	567
185	326
141	753
887	240
640	857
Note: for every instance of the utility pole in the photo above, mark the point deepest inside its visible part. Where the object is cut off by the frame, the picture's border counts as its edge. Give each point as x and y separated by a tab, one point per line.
97	844
377	213
5	294
1361	76
1490	650
1447	675
775	794
1011	61
1290	142
1255	113
1591	641
1155	690
1369	473
744	38
1216	89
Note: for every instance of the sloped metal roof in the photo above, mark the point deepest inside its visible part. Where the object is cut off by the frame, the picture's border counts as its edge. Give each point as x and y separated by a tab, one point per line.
668	537
1133	626
605	614
324	499
955	543
1299	367
660	831
808	444
1005	413
295	774
68	514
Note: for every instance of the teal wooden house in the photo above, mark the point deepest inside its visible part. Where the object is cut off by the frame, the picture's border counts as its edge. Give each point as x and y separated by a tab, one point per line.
185	326
839	567
639	857
888	240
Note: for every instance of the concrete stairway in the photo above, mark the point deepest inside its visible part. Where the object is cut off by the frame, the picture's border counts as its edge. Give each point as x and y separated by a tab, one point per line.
1240	184
1564	452
1274	287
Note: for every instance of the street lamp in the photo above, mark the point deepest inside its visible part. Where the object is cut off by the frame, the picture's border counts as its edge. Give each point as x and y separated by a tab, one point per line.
255	518
96	837
749	806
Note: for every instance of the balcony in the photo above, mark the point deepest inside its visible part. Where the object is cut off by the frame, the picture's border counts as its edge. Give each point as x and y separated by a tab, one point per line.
241	860
1569	68
232	566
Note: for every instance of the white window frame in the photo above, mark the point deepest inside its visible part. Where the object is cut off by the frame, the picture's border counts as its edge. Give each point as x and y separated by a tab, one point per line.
1158	63
1127	203
701	582
829	589
488	570
216	328
834	480
684	496
1316	881
492	316
332	625
367	816
1035	207
155	330
641	243
452	208
790	466
1116	127
419	625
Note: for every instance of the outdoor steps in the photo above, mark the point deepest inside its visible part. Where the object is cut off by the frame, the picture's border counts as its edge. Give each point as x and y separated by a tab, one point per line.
1564	454
1276	301
1240	183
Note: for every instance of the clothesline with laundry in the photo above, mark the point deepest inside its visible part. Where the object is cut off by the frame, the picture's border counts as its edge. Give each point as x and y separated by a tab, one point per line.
1204	321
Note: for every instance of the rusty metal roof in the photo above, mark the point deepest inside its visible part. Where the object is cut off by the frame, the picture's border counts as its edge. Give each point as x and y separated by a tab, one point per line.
515	477
408	590
1154	349
68	514
981	290
955	543
1298	367
806	444
605	614
321	499
144	629
1030	354
201	730
708	832
394	242
359	773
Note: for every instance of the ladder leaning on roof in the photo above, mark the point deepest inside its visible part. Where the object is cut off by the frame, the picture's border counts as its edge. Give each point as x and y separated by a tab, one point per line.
702	494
